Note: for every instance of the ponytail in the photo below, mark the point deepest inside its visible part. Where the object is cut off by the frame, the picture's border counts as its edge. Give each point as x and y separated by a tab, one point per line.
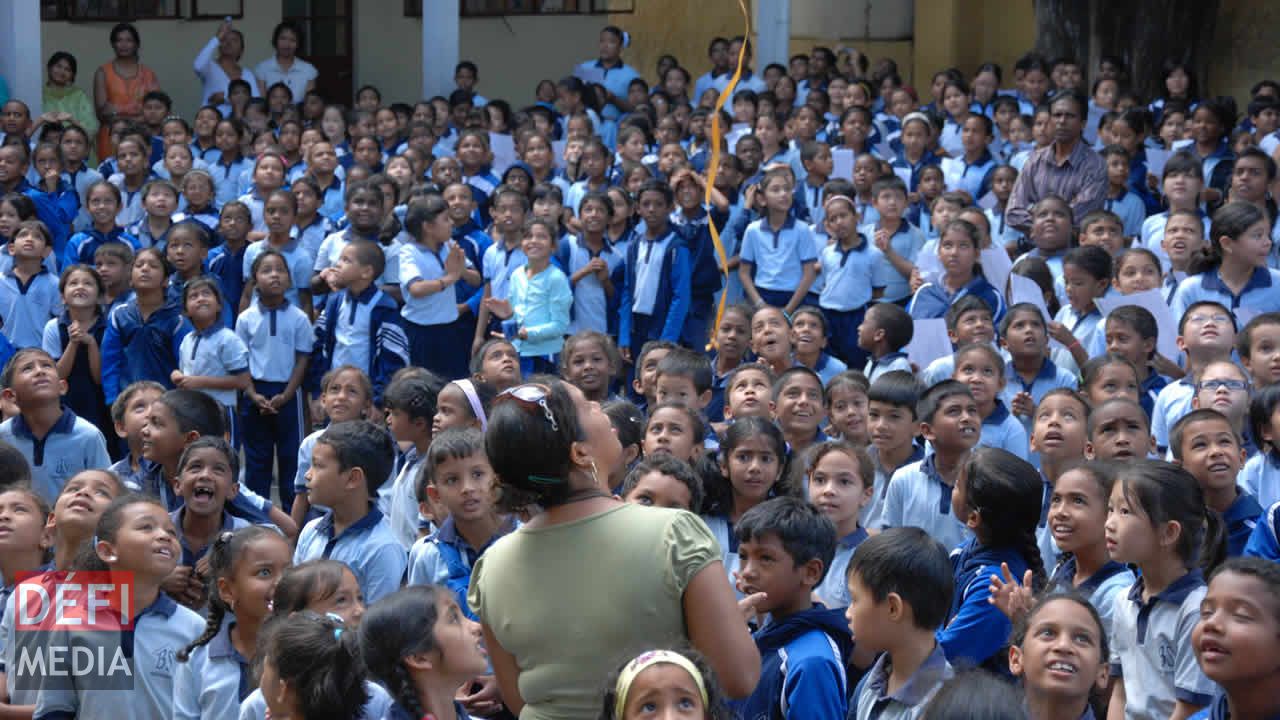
1006	492
320	659
1231	221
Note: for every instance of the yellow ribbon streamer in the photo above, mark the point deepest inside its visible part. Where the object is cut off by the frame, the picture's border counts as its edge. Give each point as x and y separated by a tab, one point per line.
717	134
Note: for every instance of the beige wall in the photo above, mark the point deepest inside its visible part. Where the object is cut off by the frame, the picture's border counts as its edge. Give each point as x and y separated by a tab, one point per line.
1245	48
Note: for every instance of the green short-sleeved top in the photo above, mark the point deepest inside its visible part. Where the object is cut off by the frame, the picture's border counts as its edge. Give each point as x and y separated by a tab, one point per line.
572	602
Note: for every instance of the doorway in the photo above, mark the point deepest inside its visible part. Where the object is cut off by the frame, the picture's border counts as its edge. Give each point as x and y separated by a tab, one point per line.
326	43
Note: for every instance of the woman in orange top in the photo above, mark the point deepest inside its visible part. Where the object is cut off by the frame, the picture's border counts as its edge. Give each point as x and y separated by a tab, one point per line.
119	85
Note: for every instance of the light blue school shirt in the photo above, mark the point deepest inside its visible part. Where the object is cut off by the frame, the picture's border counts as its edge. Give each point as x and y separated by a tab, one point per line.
876	367
541	305
368	547
310	237
81	180
160	631
1050	377
331	249
419	262
271	334
827	367
1260	294
847	272
130	202
779	256
72	445
872	700
216	352
616	79
650	254
1002	233
1131	209
296	258
1260	477
226	179
873	511
973	178
254	707
1153	234
1172	403
833	591
428	567
577	191
213	680
25	308
907	242
918	497
590	304
1086	328
1150	648
499	262
722	531
1002	430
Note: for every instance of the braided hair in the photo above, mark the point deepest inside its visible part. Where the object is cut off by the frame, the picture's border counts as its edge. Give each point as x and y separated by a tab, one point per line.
1006	492
400	625
222	562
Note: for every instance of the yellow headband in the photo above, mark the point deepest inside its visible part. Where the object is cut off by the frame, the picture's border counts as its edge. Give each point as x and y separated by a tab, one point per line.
644	661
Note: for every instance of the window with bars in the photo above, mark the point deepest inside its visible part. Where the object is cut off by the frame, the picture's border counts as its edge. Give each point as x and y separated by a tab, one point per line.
492	8
109	10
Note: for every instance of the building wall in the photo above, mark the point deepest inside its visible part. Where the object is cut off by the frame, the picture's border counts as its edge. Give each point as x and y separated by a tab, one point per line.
1244	48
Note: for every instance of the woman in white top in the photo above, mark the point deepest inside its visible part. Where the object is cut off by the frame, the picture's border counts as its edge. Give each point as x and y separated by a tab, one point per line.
216	73
285	66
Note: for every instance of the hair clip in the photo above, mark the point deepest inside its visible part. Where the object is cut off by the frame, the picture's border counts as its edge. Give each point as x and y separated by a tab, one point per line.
544	480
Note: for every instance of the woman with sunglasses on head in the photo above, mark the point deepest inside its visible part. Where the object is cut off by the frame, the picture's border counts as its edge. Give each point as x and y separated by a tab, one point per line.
589	581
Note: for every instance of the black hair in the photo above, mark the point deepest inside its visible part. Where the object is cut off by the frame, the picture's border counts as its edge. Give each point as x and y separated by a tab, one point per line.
1142	322
805	533
212	442
1198	415
666	465
108	529
1165	492
907	562
976	695
1023	626
451	444
223	554
1006	492
719	497
715	706
932	398
322	662
414	395
1114	402
966	304
11	366
1244	341
477	360
849	379
361	444
1092	259
685	363
15	469
395	627
898	388
1262	406
897	324
529	446
997	361
787	377
1089	373
1265	571
1019	308
1253	153
369	254
194	411
697	430
888	182
1230	220
627	420
300	585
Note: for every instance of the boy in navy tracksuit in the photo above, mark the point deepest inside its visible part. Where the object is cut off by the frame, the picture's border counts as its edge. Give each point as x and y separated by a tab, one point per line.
692	222
785	546
361	325
656	289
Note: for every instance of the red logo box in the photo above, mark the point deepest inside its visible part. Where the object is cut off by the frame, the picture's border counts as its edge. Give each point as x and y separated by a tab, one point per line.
73	602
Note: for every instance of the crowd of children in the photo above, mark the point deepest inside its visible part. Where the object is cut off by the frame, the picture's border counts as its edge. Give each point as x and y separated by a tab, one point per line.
265	344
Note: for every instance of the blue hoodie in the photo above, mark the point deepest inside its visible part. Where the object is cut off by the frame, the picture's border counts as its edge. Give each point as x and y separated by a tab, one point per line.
976	630
802	662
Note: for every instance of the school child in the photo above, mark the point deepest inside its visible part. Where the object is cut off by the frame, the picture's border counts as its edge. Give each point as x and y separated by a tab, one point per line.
345	394
1230	655
969	321
231	164
998	498
590	361
846	265
1180	185
128	416
594	265
900	584
1126	204
663	481
778	263
846	405
359	325
799	410
223	367
1131	332
1257	346
958	251
817	162
74	149
309	225
29	294
1110	376
752	453
1225	386
159	203
1183	240
159	629
463	403
748	393
809	339
279	208
732	343
349	462
691	220
536	311
1154	672
644	685
917	131
56	202
1260	475
1234	272
497	363
207	478
56	443
1206	333
73	340
891	427
885	331
1086	274
365	203
840	484
982	369
411	404
272	407
102	204
656	290
949	421
1003	234
1205	444
898	241
1136	270
311	667
1062	629
143	333
771	338
675	429
1031	372
196	202
134	172
431	265
501	259
28	544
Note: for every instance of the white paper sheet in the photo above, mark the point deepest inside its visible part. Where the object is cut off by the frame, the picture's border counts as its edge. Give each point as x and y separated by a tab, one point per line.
1156	160
504	152
996	266
1153	302
928	342
842	164
905	174
557	151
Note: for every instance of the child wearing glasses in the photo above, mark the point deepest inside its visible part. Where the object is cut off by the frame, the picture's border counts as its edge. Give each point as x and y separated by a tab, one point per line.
1206	333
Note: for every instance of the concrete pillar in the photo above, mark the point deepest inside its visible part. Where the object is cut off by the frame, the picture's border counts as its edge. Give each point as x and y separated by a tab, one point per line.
773	32
440	26
21	57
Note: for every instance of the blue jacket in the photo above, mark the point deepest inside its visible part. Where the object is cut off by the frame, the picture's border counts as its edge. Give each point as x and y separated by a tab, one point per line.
1265	540
802	674
81	247
976	630
674	291
135	349
389	346
704	271
227	267
55	209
